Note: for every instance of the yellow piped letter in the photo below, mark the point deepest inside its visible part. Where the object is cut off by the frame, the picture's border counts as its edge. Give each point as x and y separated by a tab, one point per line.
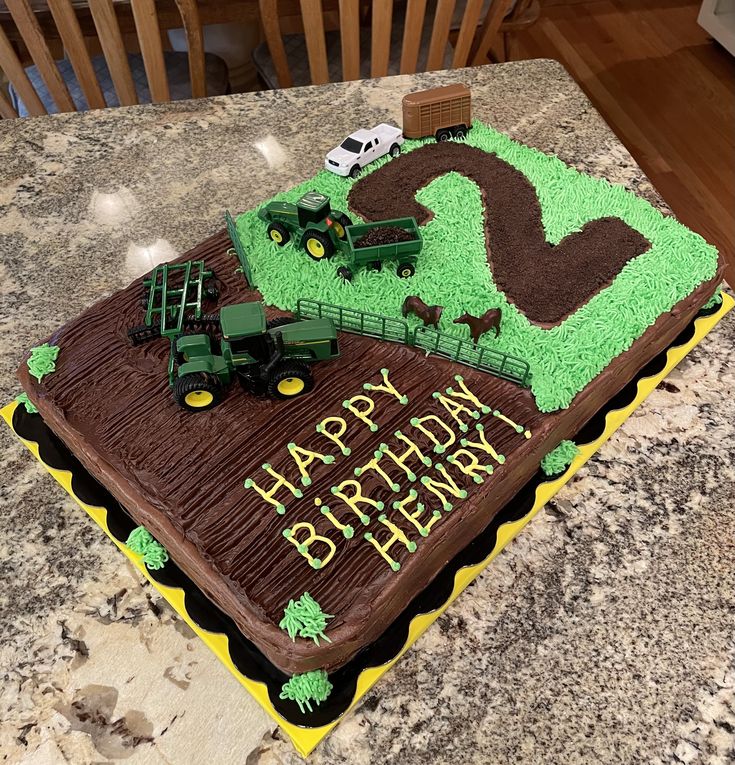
364	414
412	449
439	446
518	428
483	445
358	498
396	536
454	408
413	517
337	436
467	395
304	545
269	496
386	387
304	457
439	488
374	464
347	531
473	467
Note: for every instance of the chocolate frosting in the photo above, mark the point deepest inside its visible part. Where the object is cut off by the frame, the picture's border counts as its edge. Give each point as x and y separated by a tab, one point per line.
181	474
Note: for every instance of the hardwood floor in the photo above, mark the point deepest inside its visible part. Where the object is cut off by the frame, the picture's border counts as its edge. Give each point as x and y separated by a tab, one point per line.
666	89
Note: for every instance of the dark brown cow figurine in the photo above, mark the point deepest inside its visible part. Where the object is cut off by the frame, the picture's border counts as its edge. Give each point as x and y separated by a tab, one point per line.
429	314
480	325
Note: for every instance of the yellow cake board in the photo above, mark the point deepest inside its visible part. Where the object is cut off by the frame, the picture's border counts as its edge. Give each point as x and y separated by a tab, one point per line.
306	739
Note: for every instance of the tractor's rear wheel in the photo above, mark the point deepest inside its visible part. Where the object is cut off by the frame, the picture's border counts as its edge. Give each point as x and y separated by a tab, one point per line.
197	391
318	245
279	233
340	223
290	379
406	270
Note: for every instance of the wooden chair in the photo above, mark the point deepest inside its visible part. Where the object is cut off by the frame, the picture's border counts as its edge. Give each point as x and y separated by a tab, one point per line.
76	82
390	28
525	13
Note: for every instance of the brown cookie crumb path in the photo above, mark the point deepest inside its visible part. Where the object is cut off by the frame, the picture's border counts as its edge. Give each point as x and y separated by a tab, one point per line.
545	282
383	235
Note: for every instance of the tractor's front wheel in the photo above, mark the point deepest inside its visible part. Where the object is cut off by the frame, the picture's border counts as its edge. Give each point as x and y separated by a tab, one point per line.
339	224
290	379
279	233
318	245
197	391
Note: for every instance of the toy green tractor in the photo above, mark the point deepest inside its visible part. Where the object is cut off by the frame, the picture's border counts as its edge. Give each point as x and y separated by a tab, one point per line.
310	222
271	358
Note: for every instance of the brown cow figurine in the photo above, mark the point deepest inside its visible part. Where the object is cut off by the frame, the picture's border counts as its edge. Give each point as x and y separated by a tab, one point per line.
480	325
429	314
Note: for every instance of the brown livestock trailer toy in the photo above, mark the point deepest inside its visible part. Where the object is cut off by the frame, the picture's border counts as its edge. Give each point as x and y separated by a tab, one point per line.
441	112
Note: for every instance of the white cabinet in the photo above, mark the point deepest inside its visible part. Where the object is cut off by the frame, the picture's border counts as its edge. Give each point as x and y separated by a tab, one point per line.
718	18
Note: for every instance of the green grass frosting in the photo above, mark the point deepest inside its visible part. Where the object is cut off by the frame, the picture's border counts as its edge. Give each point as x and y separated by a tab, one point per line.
42	360
303	689
559	459
453	271
30	407
716	299
305	618
141	541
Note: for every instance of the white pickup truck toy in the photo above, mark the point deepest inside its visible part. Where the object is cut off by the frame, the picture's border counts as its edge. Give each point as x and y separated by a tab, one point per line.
363	147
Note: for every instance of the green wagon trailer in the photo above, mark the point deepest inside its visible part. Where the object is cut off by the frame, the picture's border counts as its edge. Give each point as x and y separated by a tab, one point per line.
404	252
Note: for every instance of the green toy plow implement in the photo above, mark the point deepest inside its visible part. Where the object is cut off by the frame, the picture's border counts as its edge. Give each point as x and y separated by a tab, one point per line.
173	299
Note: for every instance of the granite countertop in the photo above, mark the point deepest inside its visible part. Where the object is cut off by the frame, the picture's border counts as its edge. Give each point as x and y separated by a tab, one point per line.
603	634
